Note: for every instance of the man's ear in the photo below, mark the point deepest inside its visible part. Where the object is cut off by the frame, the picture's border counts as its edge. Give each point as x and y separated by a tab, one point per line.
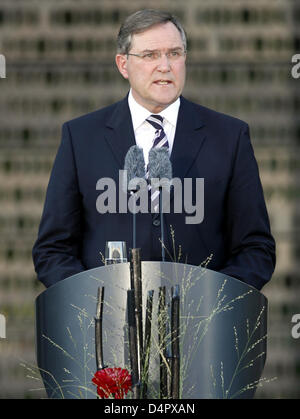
121	61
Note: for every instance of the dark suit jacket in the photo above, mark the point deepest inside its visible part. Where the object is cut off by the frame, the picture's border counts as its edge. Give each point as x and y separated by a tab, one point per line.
208	145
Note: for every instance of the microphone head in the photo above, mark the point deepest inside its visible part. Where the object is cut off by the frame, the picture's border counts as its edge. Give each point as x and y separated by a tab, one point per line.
134	163
160	165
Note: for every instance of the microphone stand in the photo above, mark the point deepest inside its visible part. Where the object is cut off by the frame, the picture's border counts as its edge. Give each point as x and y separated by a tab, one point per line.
162	234
133	194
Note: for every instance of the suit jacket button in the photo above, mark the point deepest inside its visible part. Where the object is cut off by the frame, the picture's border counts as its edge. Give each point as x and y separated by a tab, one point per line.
156	222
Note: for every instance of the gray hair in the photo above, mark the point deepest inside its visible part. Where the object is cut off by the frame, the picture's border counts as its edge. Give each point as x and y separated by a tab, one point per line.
142	20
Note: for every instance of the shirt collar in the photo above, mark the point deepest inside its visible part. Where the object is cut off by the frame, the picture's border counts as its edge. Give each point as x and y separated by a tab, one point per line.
139	114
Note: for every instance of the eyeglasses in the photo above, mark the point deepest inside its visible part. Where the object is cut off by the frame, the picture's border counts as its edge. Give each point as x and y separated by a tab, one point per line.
151	56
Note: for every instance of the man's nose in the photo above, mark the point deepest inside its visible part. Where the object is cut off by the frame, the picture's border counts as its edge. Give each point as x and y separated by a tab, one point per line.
164	63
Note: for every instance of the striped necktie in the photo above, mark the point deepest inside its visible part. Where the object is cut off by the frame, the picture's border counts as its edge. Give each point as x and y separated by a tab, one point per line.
160	140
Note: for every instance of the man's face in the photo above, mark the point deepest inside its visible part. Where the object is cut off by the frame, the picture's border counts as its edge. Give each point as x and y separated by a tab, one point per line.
155	84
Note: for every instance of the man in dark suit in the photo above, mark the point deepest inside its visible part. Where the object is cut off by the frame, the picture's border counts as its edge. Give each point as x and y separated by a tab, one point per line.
202	144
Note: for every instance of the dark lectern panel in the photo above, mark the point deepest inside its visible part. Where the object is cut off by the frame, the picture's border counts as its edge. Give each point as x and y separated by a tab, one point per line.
222	330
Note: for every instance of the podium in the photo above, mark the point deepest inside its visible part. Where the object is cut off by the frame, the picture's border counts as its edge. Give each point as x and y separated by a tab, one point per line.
223	324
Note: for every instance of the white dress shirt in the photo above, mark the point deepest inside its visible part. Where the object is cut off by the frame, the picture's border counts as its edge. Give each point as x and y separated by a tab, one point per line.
145	132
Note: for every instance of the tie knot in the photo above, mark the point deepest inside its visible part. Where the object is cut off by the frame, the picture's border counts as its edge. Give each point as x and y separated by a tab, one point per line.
156	121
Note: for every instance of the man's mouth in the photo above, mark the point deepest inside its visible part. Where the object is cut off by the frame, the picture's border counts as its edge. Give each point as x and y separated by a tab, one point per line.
163	82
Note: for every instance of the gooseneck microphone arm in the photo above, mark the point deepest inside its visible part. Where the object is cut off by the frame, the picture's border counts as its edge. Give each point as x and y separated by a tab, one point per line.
160	168
133	194
162	233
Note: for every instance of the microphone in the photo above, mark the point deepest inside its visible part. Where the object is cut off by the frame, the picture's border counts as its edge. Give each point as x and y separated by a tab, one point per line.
160	167
160	174
135	166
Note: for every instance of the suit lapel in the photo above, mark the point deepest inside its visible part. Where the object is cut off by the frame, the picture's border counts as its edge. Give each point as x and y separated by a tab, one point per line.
119	131
188	138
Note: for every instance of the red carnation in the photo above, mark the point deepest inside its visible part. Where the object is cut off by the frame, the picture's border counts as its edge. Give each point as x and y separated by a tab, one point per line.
112	381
